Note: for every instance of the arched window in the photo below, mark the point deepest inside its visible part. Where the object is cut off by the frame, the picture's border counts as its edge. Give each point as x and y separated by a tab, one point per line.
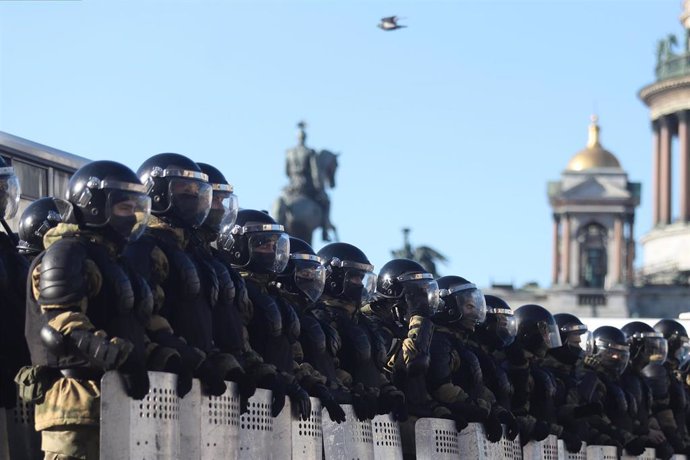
593	260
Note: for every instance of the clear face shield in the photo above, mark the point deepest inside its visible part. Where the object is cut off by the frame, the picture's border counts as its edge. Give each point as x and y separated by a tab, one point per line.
269	252
128	213
423	294
359	285
309	276
9	193
506	328
549	333
683	352
224	207
655	347
190	199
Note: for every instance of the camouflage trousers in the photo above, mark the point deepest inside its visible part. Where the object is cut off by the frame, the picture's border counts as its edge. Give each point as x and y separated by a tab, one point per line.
70	442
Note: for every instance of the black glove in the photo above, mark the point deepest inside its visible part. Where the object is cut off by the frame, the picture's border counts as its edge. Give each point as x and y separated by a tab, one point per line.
300	400
508	419
572	442
175	365
541	430
587	410
493	428
212	382
364	403
471	412
246	387
664	451
335	412
277	386
392	400
135	378
636	446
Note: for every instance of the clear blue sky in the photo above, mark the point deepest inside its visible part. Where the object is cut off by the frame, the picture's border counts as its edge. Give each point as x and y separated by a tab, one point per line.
452	126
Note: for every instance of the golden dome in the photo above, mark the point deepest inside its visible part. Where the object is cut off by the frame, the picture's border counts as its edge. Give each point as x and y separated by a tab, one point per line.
594	156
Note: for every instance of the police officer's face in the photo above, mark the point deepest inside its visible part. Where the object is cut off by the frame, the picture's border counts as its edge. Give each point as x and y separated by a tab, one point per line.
574	340
125	208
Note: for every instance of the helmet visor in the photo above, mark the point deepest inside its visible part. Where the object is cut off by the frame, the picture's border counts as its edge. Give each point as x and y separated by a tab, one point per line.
269	251
224	206
310	278
683	352
549	333
506	329
614	359
422	294
190	200
128	213
359	285
9	194
656	348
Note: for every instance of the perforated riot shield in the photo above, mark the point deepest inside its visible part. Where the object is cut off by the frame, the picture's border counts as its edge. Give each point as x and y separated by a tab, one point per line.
473	443
347	440
147	429
386	434
602	453
509	450
563	453
256	427
436	439
537	450
307	442
24	440
648	454
209	425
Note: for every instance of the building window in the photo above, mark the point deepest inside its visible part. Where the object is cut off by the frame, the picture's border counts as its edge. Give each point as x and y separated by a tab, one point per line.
593	259
33	179
60	182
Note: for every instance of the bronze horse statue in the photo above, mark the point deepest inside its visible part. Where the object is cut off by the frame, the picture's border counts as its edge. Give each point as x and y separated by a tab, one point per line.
303	211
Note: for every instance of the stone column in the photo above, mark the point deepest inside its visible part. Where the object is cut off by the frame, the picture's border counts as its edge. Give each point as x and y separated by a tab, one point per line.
655	172
617	251
665	172
631	252
565	251
555	258
684	165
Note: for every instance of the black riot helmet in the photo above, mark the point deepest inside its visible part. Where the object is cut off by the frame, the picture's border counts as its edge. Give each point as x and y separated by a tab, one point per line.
107	196
224	204
462	304
180	193
646	344
408	288
349	274
259	244
500	327
9	191
305	275
677	337
608	350
570	329
39	217
537	331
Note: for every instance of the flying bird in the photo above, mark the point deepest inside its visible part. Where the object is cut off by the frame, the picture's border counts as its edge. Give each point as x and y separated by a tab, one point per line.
390	23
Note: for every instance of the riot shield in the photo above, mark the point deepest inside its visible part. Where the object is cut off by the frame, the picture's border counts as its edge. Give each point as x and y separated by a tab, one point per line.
648	454
602	453
349	439
537	450
387	441
563	453
436	439
256	427
209	425
147	429
24	440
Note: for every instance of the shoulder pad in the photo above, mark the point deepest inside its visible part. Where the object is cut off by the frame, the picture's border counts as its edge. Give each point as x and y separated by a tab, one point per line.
62	275
291	323
312	334
358	342
226	287
265	310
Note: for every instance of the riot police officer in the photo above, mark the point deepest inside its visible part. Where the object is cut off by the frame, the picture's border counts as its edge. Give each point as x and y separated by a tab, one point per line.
85	307
181	200
39	217
300	285
664	379
607	354
533	399
260	250
13	273
455	376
